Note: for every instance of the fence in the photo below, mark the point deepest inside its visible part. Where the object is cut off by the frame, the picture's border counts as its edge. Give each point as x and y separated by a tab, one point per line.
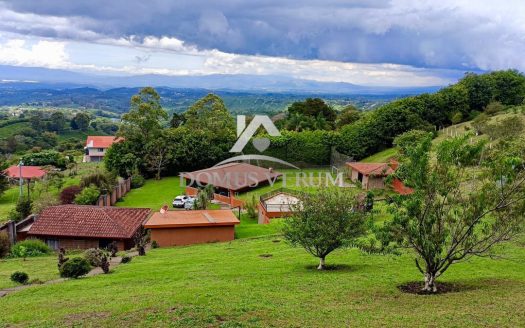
121	189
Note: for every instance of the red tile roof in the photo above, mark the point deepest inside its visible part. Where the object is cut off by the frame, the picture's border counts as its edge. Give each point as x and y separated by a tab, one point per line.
101	141
378	169
89	221
197	218
233	176
28	172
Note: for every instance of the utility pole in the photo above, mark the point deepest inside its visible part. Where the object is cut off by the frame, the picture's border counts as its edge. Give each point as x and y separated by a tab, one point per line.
20	179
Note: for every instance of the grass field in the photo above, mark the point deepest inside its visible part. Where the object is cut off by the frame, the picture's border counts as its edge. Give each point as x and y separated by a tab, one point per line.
265	283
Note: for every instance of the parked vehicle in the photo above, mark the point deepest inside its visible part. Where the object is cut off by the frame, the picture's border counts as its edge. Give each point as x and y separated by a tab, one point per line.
179	201
190	204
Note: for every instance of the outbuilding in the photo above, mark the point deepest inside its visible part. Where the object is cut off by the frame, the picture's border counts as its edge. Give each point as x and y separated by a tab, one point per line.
175	228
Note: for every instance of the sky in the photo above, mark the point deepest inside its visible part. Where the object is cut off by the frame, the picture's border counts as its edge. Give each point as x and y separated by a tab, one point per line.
376	43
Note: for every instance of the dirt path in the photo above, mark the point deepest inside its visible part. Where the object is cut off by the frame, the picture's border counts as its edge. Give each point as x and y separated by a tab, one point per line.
113	263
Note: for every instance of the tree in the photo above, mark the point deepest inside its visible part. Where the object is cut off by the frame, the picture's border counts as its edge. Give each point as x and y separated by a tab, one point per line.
459	208
177	120
120	159
159	152
23	209
4	183
144	120
80	122
348	115
313	107
323	222
456	118
58	120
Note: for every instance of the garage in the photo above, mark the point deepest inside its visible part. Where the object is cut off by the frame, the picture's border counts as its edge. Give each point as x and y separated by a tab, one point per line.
176	228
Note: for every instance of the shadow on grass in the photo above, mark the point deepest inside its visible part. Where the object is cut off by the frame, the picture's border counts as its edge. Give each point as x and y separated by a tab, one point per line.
335	267
415	287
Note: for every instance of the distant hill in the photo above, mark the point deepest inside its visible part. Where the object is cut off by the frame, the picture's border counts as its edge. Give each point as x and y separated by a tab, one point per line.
117	99
242	93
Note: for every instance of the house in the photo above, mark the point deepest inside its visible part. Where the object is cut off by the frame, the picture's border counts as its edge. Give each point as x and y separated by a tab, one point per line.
96	147
28	172
372	176
229	179
83	227
175	228
276	204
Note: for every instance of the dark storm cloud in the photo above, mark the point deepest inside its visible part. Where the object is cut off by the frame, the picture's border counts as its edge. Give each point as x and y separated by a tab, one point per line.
444	34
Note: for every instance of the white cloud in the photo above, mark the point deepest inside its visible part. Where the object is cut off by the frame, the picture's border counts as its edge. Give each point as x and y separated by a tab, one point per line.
164	53
44	53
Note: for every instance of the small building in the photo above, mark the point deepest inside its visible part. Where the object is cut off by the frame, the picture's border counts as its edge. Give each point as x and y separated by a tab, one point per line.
370	175
229	179
83	227
96	147
28	172
276	204
175	228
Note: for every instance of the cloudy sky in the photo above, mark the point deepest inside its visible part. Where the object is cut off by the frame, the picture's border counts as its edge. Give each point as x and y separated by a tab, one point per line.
377	42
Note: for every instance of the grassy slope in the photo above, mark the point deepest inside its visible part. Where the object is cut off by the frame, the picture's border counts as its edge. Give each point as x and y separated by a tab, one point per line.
382	156
231	285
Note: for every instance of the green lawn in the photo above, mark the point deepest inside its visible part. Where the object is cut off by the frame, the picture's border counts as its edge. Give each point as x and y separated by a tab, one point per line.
264	282
9	130
382	156
154	194
43	268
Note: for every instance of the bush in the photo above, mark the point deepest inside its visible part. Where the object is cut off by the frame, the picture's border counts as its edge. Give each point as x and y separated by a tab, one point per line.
137	181
94	256
125	259
102	181
68	194
494	107
154	244
20	277
5	245
23	208
48	157
75	268
30	248
88	196
251	208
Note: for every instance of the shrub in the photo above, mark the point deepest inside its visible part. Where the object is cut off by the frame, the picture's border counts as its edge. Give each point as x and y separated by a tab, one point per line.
154	244
20	277
30	248
23	208
137	181
456	118
5	245
125	259
494	107
68	194
251	208
75	268
102	181
94	256
47	157
88	196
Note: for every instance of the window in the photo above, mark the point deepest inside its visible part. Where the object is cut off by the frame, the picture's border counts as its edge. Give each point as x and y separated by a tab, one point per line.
101	150
52	243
